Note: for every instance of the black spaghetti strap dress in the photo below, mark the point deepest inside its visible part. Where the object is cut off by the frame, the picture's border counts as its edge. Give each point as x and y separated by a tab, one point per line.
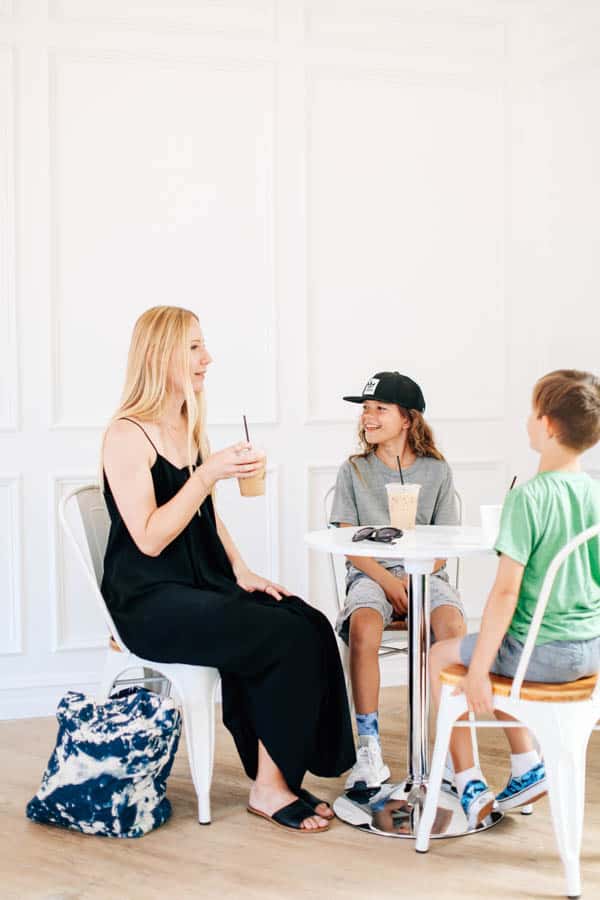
282	679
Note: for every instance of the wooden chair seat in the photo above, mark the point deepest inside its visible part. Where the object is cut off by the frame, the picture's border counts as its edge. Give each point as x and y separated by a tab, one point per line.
568	692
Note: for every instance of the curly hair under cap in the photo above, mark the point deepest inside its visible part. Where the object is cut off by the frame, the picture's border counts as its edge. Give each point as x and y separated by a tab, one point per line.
419	438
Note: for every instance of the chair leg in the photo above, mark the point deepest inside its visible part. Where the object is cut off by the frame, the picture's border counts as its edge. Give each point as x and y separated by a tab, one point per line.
197	700
474	745
345	657
528	809
115	662
564	751
450	709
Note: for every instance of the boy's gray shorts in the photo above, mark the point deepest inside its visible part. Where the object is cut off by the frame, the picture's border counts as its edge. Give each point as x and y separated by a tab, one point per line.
551	663
362	592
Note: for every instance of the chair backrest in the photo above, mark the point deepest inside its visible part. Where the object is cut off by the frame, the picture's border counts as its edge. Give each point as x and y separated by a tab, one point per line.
541	604
89	542
338	563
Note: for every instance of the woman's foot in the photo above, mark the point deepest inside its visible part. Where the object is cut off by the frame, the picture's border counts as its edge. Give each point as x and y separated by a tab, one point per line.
321	807
269	800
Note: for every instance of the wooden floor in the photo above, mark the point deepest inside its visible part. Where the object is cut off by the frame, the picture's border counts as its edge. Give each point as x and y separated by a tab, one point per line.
242	856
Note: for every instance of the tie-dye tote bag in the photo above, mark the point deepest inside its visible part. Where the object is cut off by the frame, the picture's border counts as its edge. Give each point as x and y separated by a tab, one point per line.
108	772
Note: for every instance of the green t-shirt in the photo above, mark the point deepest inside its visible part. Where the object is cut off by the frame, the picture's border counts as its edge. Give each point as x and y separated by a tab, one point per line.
538	519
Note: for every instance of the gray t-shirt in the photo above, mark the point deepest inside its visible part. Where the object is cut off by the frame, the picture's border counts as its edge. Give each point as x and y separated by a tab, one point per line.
361	499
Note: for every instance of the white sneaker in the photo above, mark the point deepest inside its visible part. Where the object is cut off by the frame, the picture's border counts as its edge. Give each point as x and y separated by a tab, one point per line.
369	770
448	781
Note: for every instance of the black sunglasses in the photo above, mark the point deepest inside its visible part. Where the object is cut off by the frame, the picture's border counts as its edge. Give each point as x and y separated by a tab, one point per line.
383	535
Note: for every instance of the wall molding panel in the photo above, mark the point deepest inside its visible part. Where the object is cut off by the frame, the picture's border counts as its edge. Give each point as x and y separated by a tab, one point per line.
9	343
226	19
228	341
391	248
11	565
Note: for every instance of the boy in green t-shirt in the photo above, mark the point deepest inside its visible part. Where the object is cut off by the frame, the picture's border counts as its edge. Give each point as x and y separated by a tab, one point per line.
538	519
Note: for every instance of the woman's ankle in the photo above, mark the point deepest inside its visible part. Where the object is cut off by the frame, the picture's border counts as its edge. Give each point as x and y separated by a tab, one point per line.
269	783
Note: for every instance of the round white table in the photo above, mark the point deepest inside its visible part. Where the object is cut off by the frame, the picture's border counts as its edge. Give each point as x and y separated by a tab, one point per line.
394	809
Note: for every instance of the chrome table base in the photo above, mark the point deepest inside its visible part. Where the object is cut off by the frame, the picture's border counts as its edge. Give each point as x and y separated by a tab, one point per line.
393	810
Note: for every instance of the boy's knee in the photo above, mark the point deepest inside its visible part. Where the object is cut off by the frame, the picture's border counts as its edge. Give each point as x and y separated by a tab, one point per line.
366	630
443	653
447	624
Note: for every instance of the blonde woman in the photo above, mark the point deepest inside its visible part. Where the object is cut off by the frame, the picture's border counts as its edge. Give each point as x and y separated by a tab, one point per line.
180	591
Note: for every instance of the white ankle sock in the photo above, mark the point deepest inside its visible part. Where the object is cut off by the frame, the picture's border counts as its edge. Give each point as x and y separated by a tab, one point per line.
461	779
523	762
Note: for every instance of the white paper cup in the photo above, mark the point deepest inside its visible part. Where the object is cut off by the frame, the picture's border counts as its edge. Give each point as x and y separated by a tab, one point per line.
402	504
490	522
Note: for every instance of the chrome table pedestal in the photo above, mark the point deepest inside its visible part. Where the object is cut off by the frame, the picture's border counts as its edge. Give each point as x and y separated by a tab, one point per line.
394	810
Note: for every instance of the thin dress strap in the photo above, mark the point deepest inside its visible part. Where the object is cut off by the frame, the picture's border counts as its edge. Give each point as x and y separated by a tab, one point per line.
126	419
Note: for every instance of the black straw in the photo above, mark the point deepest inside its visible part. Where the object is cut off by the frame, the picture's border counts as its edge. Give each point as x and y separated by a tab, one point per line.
400	470
246	429
512	484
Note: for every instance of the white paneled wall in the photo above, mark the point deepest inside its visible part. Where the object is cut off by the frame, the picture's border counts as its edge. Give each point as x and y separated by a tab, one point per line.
9	381
334	188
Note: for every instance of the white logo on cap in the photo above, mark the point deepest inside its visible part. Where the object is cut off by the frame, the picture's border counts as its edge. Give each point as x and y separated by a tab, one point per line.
371	386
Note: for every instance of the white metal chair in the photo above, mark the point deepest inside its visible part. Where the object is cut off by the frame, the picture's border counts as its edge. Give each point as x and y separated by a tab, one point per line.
561	717
195	685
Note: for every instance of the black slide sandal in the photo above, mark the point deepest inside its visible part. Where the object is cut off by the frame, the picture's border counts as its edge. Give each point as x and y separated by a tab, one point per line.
313	801
291	817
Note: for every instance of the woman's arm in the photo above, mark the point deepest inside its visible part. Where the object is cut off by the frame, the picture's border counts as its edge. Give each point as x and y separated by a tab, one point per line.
128	457
244	576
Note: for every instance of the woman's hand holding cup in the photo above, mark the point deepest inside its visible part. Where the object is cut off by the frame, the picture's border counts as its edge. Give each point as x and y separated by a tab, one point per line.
253	485
240	461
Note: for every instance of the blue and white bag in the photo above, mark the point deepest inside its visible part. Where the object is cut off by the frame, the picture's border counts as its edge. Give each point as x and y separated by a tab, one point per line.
108	772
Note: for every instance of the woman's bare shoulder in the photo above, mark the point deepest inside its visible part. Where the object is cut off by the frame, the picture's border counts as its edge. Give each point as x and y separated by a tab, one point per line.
124	438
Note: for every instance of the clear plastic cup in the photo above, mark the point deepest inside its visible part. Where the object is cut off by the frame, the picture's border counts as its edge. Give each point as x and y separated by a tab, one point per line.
490	522
402	503
255	486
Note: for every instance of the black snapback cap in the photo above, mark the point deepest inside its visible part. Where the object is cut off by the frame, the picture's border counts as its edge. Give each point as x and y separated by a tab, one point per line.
392	387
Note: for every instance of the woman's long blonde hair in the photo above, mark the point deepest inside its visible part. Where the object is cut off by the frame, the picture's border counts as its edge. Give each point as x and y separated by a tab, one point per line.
419	438
160	334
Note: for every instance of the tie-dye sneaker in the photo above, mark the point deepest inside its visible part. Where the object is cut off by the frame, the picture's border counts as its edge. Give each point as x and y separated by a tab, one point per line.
477	802
526	788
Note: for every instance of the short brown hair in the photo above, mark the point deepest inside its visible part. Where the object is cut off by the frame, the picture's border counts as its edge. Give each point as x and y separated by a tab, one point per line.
571	399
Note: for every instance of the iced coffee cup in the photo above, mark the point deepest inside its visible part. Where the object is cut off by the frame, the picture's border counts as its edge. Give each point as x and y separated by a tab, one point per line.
254	486
402	502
